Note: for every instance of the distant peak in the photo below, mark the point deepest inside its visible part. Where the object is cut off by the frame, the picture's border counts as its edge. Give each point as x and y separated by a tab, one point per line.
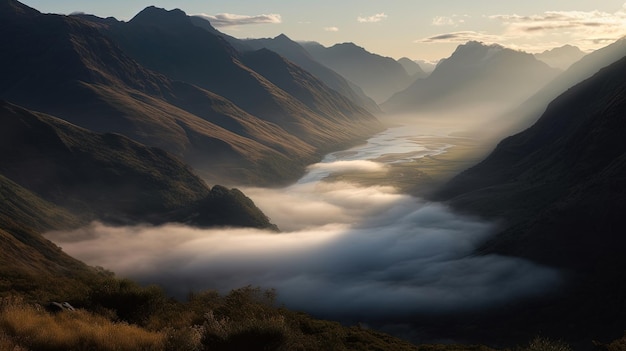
282	36
480	44
160	16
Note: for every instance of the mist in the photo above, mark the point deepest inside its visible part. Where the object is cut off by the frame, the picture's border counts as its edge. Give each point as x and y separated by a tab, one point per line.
346	251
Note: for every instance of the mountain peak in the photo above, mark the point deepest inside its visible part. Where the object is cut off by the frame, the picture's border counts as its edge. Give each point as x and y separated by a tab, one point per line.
282	36
153	15
16	8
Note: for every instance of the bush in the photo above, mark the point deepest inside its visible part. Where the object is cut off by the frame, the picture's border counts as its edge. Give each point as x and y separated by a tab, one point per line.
544	344
35	329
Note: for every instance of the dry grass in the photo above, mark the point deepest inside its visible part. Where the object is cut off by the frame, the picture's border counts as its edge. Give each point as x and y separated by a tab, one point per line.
27	326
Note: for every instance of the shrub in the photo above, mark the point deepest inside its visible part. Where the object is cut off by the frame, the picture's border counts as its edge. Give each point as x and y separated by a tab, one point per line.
544	344
79	330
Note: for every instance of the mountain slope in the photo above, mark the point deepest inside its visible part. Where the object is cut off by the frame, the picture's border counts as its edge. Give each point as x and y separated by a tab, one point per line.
474	75
525	114
73	71
30	263
207	60
574	147
110	177
559	187
295	53
378	76
412	68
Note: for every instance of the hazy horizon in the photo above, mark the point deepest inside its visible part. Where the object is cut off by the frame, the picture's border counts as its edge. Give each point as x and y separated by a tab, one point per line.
420	31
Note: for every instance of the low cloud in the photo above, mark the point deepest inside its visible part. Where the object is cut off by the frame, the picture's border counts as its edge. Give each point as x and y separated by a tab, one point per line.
372	19
453	20
460	37
348	252
229	19
589	30
331	29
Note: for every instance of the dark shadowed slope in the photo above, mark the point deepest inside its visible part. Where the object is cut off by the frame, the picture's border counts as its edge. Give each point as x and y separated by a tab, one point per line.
295	53
475	75
110	177
576	146
560	186
379	77
29	263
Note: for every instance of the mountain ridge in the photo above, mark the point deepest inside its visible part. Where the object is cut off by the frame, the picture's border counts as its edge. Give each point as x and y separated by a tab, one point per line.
378	76
474	75
557	189
107	177
74	72
294	52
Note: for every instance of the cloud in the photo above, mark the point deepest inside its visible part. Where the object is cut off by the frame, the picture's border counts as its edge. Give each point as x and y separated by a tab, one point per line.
460	37
589	30
453	20
585	28
331	29
229	19
347	252
350	253
372	19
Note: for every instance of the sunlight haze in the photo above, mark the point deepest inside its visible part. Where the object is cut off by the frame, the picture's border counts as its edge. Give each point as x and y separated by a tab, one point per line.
399	28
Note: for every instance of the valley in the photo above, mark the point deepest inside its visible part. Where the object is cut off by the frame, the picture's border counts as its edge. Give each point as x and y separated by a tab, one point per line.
235	181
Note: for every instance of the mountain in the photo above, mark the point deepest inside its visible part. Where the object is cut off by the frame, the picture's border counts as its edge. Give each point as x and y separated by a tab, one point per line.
412	68
204	23
154	31
427	66
295	53
378	76
72	70
525	114
561	57
110	177
559	189
474	75
29	263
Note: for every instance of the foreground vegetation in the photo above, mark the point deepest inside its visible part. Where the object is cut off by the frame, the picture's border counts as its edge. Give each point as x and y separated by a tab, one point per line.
121	315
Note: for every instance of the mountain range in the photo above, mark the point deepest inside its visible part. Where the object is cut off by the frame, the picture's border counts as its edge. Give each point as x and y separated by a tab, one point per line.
92	72
57	176
412	68
295	53
378	76
474	75
525	114
561	57
558	188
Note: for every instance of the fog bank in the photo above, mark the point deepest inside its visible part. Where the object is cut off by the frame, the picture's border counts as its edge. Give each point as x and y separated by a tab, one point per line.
346	252
351	253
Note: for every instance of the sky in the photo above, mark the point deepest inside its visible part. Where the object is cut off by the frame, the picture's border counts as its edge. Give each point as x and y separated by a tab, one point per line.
427	30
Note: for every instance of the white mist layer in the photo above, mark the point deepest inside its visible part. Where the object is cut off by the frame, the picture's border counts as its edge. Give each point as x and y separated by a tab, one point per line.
350	252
